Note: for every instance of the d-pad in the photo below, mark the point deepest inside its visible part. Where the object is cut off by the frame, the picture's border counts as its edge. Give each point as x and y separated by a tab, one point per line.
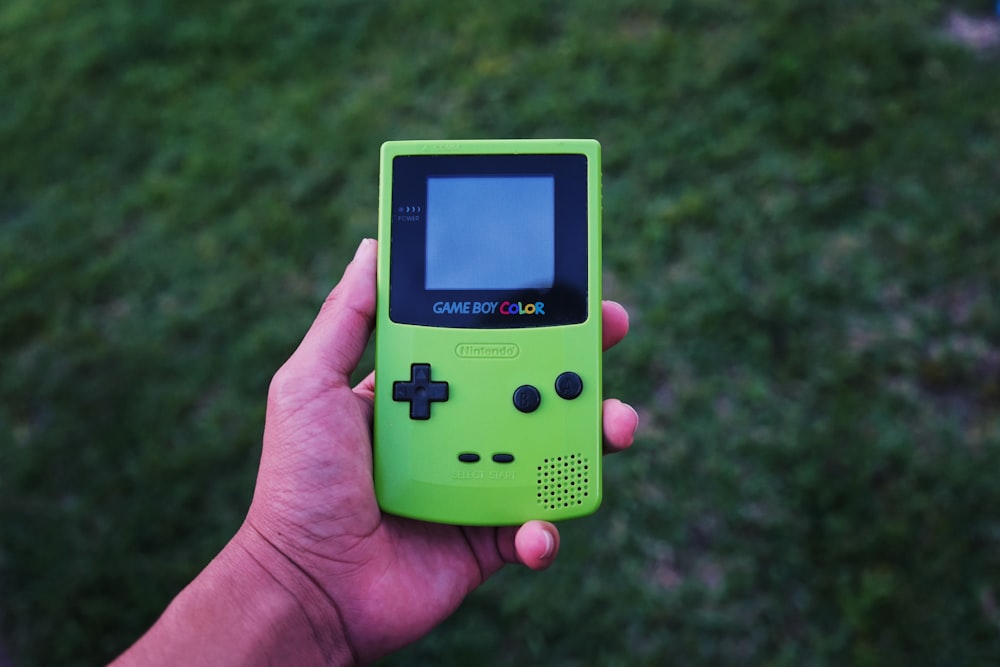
420	391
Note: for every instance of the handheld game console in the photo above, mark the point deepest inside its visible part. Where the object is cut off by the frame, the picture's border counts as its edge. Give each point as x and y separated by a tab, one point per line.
488	336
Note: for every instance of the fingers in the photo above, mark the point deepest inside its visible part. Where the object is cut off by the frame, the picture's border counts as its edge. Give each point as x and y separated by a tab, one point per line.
620	423
338	336
366	388
615	323
620	419
536	544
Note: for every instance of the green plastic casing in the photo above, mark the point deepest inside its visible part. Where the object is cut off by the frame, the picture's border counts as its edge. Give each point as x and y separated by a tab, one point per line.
555	473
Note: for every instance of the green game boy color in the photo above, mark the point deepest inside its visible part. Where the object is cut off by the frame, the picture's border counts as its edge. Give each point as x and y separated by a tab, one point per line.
488	336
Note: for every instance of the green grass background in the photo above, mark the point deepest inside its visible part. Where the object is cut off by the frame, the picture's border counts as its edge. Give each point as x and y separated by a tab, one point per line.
802	212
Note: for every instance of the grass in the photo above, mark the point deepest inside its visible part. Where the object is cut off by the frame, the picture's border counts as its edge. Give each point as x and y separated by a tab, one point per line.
801	212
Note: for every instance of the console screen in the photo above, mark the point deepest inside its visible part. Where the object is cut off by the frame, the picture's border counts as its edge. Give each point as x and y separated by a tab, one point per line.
474	237
490	232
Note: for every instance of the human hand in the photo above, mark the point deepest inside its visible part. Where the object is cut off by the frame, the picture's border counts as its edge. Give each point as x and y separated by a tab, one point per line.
317	574
388	580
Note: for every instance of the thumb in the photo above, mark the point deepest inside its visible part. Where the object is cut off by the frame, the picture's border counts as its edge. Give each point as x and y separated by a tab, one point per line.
338	336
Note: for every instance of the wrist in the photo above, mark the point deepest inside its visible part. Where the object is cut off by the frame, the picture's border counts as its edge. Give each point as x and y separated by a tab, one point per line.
305	625
249	606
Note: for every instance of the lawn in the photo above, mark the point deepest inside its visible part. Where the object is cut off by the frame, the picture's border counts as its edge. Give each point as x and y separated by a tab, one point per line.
801	211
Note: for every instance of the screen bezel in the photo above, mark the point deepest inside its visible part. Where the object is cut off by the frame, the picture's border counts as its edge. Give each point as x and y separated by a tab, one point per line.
564	303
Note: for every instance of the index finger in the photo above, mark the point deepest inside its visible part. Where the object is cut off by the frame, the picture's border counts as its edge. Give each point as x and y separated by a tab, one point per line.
615	323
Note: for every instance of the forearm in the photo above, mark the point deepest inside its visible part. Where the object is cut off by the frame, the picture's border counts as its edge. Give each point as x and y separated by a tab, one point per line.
236	612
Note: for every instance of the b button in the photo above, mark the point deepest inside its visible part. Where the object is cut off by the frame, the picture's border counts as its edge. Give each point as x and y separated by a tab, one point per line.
527	398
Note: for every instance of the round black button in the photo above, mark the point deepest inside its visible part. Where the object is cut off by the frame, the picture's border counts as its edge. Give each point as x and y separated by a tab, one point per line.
527	398
468	457
569	385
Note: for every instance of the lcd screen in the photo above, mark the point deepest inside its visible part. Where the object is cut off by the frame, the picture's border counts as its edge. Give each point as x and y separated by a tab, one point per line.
490	232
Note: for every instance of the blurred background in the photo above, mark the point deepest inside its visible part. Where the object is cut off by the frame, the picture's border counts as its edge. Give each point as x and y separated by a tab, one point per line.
801	210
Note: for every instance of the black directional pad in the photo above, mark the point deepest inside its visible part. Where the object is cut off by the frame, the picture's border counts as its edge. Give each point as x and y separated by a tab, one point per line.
420	391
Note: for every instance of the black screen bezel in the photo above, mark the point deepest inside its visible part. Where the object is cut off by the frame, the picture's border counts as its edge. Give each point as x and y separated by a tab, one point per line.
565	302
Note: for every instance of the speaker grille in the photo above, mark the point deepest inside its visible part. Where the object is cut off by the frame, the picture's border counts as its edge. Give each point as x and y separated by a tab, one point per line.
563	481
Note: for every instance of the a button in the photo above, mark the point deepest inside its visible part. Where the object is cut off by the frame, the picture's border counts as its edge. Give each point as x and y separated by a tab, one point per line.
527	398
420	391
468	457
569	385
503	458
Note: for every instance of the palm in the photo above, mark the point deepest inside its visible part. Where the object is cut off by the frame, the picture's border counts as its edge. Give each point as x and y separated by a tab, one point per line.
315	503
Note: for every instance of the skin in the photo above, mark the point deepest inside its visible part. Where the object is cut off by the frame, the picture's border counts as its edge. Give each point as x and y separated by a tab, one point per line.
317	574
